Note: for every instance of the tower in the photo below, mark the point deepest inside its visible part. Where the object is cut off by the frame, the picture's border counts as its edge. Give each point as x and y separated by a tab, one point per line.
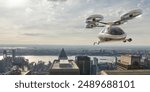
4	54
62	55
63	66
84	64
13	55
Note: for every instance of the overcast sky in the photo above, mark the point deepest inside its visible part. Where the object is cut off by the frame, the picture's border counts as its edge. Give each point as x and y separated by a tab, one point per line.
63	21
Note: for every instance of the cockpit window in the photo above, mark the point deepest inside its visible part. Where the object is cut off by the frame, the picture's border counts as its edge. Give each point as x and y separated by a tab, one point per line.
115	31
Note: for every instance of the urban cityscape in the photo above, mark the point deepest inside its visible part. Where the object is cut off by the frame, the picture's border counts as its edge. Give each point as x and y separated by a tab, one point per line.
75	60
56	37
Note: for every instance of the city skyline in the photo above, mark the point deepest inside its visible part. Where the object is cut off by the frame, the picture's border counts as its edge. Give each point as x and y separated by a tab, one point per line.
63	21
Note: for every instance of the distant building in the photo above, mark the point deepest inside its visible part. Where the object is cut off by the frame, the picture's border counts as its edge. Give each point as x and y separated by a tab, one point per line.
100	64
15	70
9	53
130	59
40	68
125	72
106	66
94	66
129	62
84	64
63	66
128	65
12	65
146	63
4	54
13	55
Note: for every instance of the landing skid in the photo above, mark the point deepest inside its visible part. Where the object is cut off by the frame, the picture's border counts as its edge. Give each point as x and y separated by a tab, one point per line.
125	40
96	43
129	40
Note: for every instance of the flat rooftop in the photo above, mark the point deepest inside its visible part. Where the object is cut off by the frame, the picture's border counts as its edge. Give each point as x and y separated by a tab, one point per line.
125	72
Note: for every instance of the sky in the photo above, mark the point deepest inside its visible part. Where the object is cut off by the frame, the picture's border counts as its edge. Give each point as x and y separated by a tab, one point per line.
62	22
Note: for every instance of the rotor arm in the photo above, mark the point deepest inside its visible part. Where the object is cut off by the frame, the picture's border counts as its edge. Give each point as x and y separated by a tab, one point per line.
96	20
103	23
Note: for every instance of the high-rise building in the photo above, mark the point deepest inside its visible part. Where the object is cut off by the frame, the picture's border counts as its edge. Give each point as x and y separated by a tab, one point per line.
4	54
9	53
84	64
13	55
146	63
129	62
94	66
63	66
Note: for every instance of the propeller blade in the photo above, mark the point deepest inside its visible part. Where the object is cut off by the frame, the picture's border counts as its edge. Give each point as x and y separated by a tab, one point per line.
132	14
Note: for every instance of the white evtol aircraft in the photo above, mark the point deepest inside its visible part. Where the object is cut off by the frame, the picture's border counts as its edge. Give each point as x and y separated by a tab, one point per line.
111	32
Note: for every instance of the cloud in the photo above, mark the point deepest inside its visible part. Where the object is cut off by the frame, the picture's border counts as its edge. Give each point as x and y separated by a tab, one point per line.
34	34
66	18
